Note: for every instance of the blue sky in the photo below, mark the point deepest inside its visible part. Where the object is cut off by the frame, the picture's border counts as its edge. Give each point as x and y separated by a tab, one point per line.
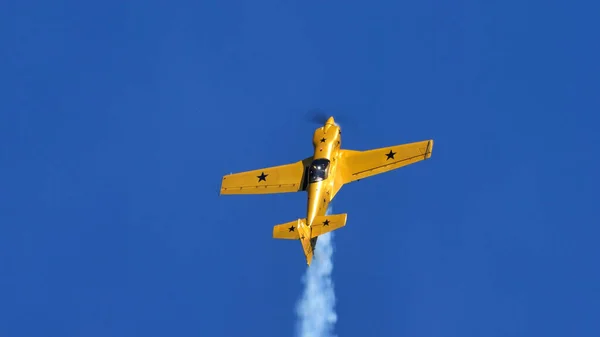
119	118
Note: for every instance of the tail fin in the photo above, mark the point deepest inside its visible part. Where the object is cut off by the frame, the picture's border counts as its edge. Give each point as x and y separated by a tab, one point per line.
308	235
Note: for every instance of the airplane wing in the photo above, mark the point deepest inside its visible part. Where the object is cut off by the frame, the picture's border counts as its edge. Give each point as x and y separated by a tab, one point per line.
276	179
362	164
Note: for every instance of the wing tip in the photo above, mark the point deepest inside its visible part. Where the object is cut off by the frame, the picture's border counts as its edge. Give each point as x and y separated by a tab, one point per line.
429	149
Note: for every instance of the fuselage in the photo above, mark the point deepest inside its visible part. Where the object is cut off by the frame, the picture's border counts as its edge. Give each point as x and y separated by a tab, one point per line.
327	142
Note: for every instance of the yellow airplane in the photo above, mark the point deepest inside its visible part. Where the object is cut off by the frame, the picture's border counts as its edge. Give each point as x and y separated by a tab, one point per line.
322	175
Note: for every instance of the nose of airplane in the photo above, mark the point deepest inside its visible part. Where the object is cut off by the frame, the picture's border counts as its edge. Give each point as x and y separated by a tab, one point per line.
330	120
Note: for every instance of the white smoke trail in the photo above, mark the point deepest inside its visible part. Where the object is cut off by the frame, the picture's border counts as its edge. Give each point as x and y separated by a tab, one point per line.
316	308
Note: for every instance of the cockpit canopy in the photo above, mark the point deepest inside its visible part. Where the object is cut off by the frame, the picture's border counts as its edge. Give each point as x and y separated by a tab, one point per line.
319	170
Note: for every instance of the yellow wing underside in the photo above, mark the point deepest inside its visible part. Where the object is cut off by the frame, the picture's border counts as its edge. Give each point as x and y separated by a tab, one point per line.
362	164
355	165
275	179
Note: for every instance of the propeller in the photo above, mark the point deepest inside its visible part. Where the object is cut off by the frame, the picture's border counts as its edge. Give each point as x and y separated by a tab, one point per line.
319	117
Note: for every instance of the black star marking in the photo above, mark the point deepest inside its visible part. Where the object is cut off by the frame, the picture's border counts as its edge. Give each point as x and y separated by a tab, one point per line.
291	229
302	237
322	140
339	131
390	155
262	177
326	222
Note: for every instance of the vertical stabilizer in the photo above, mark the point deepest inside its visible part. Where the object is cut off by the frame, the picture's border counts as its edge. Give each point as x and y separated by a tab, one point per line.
308	243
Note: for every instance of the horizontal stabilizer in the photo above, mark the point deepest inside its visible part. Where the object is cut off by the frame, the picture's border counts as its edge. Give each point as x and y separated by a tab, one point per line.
327	223
288	230
298	230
